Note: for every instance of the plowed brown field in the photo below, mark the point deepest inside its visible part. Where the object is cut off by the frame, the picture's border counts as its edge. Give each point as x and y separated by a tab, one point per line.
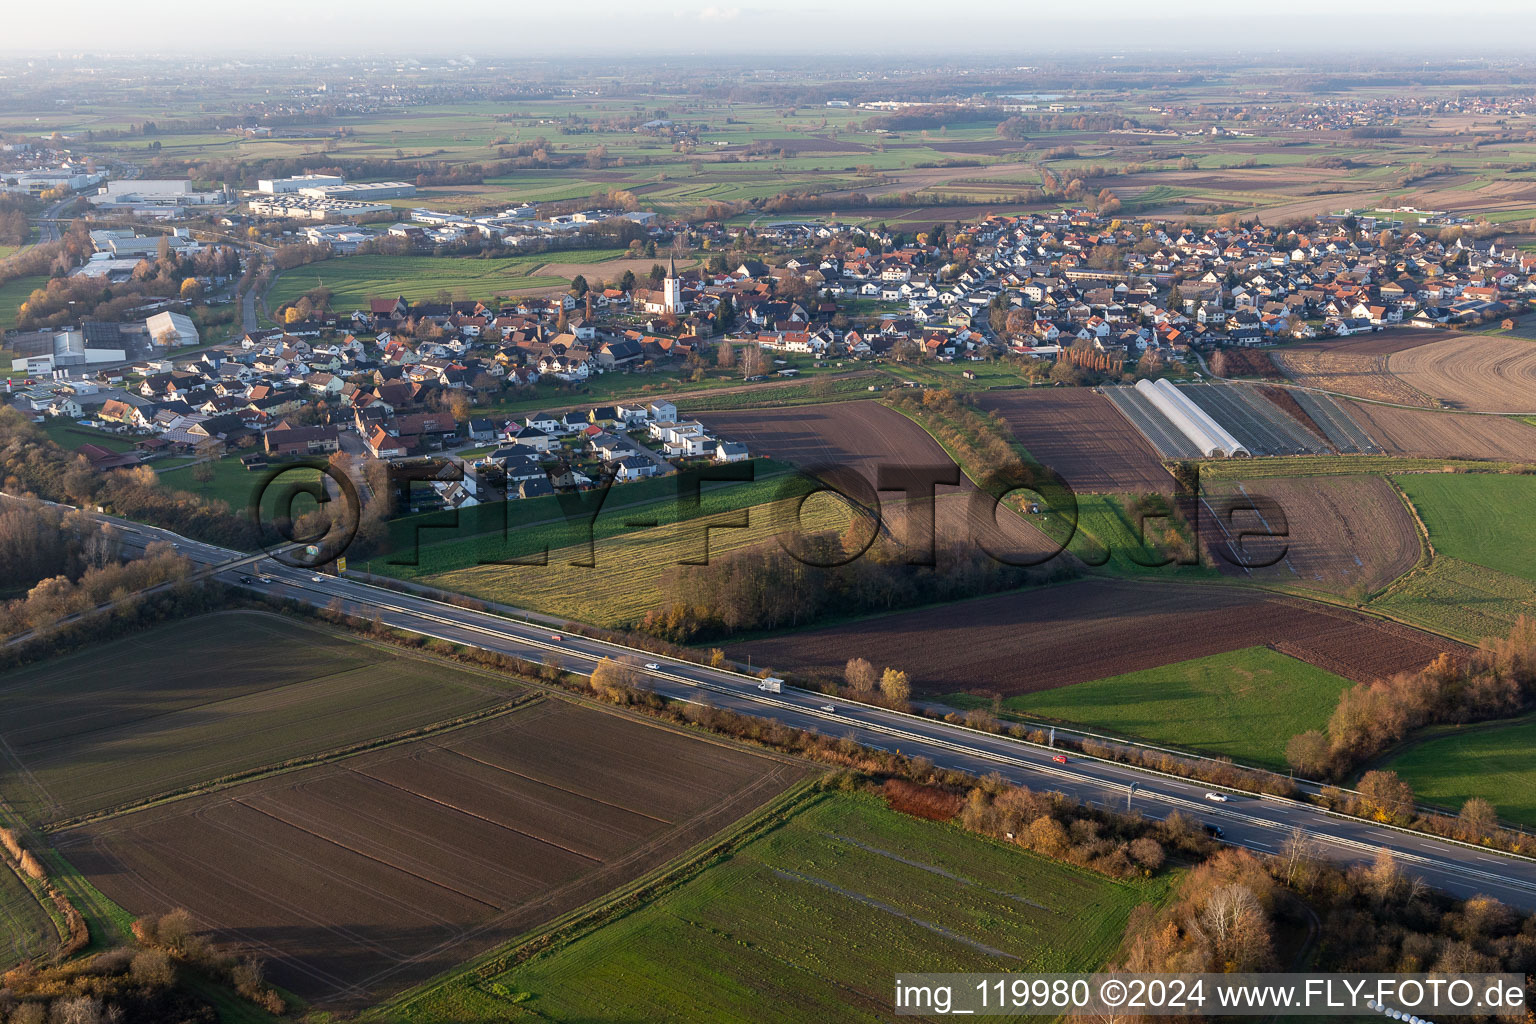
1083	437
1478	372
1446	435
1356	366
1341	533
865	437
1037	640
359	878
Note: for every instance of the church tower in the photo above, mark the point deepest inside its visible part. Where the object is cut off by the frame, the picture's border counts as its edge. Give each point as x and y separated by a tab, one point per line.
672	289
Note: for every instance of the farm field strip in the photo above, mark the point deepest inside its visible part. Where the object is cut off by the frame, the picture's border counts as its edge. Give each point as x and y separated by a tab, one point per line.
1040	639
1081	436
1243	704
1340	532
1343	432
26	930
1355	366
82	734
1475	372
867	438
1483	518
631	573
1495	760
362	876
1449	435
1460	599
354	280
808	918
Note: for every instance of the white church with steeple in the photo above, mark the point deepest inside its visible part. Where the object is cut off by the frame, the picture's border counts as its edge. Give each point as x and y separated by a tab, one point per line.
670	298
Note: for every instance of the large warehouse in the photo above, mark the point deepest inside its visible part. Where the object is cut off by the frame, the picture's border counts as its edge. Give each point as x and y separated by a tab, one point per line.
277	186
1193	422
363	191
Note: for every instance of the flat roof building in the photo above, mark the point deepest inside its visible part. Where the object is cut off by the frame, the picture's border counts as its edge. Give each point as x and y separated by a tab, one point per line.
277	186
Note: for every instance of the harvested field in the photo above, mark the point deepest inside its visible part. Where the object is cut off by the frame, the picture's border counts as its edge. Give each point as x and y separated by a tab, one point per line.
862	436
866	437
1343	532
359	878
1083	437
1446	435
1356	366
1479	373
1023	642
191	701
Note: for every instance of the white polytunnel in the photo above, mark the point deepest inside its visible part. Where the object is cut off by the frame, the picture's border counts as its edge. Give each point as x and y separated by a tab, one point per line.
1192	421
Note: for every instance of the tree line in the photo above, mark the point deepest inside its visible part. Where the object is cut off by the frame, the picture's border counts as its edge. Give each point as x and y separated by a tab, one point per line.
1496	681
30	462
771	588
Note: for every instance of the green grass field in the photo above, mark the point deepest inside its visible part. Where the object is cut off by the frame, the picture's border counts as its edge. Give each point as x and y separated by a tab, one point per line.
354	280
1480	518
1496	762
232	483
1459	599
12	295
25	927
197	700
809	922
67	435
442	542
1242	704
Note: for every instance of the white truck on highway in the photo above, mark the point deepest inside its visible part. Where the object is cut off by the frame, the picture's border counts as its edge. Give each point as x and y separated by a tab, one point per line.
771	685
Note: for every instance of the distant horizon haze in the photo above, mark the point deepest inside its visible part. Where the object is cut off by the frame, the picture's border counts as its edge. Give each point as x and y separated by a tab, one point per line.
724	29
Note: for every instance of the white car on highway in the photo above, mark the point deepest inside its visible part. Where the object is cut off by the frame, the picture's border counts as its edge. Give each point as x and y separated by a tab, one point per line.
829	709
1219	798
651	666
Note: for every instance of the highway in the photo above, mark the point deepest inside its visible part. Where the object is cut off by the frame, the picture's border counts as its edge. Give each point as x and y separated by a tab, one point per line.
1262	824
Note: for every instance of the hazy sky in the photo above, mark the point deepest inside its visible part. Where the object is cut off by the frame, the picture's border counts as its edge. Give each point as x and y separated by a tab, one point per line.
732	27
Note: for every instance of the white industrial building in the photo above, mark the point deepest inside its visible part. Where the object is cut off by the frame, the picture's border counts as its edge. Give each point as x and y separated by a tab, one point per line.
125	243
363	191
69	178
1193	422
278	186
43	352
154	197
299	207
173	330
342	240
